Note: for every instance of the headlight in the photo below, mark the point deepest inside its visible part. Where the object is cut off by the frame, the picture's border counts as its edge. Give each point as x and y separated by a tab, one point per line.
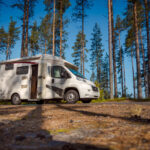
94	88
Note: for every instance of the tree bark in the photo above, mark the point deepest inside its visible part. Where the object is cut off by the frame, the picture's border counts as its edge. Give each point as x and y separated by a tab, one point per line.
61	26
148	43
27	25
137	52
144	65
82	53
125	93
23	29
122	86
114	53
7	51
110	50
54	28
45	47
133	72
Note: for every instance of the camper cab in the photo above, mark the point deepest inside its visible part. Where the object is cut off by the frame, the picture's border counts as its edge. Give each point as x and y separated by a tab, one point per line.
44	77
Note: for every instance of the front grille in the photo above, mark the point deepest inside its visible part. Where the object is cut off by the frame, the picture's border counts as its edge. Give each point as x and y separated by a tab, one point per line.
94	88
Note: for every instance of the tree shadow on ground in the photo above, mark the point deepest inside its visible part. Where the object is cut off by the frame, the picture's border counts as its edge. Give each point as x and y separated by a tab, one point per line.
27	134
134	119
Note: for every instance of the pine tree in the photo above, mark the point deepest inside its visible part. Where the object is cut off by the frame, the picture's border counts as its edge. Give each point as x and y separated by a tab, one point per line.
77	49
120	55
80	14
132	18
96	51
148	41
120	69
46	36
26	6
114	51
34	39
110	50
12	36
105	77
3	39
62	6
130	50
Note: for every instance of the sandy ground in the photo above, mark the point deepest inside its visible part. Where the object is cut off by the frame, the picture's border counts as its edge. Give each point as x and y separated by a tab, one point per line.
105	126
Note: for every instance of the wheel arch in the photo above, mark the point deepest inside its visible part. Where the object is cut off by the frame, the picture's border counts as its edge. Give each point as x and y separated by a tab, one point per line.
14	94
71	88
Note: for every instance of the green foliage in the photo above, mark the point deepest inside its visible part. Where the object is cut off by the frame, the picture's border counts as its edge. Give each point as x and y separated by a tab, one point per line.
47	27
12	36
78	14
34	39
3	39
77	49
96	52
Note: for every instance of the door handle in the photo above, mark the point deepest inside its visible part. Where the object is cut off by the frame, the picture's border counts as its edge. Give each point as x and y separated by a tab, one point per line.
53	80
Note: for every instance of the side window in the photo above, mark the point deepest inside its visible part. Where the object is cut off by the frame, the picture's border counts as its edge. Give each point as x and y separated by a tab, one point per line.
59	72
22	70
56	72
9	66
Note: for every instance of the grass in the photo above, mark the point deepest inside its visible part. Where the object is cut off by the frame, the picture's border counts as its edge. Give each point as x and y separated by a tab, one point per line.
109	100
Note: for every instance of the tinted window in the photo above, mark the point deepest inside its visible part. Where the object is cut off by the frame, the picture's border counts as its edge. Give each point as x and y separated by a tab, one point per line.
22	70
9	66
59	72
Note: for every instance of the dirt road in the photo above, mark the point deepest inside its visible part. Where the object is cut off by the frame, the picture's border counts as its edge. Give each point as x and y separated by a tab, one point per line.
105	126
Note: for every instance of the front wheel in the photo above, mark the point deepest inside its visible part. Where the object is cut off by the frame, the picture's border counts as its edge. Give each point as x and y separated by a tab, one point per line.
71	96
15	99
86	101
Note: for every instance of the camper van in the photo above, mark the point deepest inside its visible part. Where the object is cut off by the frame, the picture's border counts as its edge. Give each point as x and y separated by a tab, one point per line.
44	77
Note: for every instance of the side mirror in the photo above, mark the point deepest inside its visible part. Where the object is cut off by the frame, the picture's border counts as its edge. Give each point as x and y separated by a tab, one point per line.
64	74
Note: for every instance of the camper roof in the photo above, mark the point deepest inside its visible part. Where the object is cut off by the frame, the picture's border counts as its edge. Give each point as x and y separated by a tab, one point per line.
40	57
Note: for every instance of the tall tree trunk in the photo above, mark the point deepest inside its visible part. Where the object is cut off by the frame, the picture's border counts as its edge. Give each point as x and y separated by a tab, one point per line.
27	25
110	50
45	47
61	25
144	65
23	29
124	76
54	28
122	86
114	53
148	43
137	53
83	37
133	73
7	51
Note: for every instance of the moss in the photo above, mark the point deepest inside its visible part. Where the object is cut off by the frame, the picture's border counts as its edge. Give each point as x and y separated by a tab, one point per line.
63	130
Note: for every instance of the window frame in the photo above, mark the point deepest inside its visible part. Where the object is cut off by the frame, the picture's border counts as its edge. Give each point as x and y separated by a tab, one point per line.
9	66
22	73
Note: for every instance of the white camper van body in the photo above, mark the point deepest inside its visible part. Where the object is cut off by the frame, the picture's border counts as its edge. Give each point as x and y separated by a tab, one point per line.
43	77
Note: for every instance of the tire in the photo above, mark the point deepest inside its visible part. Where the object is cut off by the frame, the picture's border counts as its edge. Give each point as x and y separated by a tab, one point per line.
40	102
15	99
86	101
71	96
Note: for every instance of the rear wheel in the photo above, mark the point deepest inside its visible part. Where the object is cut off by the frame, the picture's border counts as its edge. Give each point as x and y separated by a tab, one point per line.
71	96
86	101
15	99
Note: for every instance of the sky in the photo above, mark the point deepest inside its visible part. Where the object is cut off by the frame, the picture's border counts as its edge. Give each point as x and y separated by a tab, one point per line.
98	13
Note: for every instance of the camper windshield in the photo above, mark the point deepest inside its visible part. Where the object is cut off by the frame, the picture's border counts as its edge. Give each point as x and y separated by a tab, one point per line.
76	73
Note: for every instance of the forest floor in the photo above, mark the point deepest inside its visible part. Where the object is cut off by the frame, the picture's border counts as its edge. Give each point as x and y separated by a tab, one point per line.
104	126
